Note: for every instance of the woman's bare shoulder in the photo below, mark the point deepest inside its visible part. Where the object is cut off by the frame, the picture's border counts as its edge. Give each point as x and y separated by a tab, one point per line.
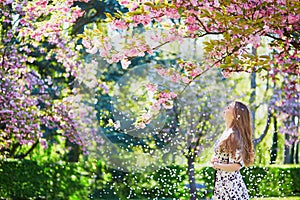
230	130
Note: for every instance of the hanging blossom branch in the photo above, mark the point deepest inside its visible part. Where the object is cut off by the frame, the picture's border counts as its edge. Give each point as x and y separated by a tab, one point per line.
21	39
238	23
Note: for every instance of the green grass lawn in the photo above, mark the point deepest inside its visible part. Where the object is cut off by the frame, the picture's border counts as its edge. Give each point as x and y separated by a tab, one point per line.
278	198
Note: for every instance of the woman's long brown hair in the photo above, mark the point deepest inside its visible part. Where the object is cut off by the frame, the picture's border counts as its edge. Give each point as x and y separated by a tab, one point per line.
241	138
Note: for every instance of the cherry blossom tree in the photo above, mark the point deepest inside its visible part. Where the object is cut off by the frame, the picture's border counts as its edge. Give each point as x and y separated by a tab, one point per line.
33	104
286	112
231	30
232	27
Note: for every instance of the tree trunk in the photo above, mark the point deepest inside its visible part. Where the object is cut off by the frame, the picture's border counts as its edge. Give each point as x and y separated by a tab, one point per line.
263	135
287	157
191	173
292	153
253	95
274	147
23	155
297	153
73	154
252	99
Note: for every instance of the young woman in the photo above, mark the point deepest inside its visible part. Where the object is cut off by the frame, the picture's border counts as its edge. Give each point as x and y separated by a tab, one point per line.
233	150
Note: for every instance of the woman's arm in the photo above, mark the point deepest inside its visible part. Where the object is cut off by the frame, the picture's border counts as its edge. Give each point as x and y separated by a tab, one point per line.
231	167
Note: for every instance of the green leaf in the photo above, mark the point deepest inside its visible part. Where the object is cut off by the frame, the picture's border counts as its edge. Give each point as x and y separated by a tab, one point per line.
148	3
227	59
180	11
265	56
226	36
118	15
108	15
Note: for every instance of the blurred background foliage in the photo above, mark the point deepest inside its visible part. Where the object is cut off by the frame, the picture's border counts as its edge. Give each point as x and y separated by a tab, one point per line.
29	179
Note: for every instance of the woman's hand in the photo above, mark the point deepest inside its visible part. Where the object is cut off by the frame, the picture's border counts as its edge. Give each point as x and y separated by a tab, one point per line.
214	161
231	167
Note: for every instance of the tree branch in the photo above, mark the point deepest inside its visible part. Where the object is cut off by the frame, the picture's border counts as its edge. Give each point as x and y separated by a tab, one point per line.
275	38
200	130
205	29
84	20
23	155
261	137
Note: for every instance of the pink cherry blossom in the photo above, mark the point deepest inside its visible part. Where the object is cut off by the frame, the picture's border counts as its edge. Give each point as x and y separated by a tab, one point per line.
186	79
124	2
86	43
155	106
119	24
195	72
172	13
191	19
162	71
226	73
92	50
140	125
292	19
173	95
175	77
151	87
255	40
104	53
44	143
125	63
117	57
168	104
132	52
9	1
117	124
194	2
146	118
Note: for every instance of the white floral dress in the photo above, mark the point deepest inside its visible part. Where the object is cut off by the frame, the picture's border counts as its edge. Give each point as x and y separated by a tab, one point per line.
229	185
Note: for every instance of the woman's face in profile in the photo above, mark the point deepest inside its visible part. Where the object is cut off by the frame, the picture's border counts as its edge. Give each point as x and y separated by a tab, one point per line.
228	113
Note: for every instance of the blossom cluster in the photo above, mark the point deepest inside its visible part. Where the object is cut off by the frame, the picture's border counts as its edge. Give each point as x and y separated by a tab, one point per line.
29	101
234	25
287	110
